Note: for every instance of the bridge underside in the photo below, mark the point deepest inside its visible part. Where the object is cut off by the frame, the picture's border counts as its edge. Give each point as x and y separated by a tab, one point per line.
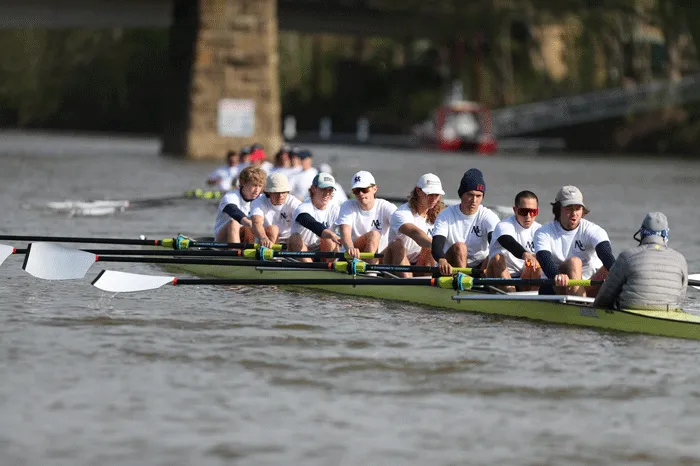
389	18
223	84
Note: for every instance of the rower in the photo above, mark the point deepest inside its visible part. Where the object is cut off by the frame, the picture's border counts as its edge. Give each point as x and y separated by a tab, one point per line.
410	237
651	276
223	176
259	158
463	231
571	247
271	214
339	196
314	219
301	180
512	248
364	221
232	223
283	161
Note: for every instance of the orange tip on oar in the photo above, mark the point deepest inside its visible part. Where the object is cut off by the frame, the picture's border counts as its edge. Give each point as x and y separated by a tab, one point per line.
5	252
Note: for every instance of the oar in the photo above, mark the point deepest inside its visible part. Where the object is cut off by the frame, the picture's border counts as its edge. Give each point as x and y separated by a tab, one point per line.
122	282
119	204
694	281
179	242
6	251
52	261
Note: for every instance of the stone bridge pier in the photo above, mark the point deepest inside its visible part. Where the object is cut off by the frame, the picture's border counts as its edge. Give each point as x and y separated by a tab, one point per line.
223	83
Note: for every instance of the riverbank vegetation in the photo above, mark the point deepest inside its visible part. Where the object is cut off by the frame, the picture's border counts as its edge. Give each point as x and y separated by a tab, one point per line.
510	52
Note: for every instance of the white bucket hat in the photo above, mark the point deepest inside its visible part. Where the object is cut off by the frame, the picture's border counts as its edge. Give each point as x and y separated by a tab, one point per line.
430	184
277	183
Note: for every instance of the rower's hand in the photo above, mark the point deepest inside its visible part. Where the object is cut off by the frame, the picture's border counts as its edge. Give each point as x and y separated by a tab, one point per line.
327	234
354	253
530	261
266	243
561	279
444	267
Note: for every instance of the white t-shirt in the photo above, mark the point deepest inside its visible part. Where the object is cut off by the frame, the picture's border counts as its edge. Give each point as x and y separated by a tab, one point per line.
579	242
280	215
524	236
286	171
404	215
328	217
225	175
222	218
266	166
339	197
363	221
472	230
301	182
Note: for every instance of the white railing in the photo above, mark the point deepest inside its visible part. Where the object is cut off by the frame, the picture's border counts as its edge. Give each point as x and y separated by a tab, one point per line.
593	106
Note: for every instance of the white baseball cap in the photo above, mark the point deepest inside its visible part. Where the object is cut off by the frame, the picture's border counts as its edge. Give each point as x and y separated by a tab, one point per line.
569	195
362	179
430	184
277	183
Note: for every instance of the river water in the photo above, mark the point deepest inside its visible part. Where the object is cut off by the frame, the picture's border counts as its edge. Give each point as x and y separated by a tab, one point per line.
214	376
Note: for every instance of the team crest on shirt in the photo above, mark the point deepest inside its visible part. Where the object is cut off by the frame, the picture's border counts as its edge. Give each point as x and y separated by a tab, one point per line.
477	231
530	245
283	215
377	224
579	245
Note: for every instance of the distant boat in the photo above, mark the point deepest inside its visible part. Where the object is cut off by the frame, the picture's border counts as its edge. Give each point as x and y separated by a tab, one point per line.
459	125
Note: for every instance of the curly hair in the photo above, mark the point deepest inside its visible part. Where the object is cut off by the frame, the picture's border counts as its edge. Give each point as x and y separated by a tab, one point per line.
252	175
432	213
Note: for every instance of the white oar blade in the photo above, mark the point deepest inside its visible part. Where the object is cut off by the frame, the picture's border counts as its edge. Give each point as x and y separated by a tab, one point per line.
52	261
695	277
123	282
5	252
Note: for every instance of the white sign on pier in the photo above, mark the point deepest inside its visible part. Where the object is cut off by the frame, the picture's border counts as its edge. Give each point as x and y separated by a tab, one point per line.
236	117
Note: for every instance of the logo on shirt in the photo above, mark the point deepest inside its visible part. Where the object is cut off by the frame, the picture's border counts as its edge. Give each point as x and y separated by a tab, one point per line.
283	215
477	231
377	224
530	245
579	245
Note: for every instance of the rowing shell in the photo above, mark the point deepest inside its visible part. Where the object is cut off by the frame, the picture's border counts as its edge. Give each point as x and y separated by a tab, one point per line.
567	310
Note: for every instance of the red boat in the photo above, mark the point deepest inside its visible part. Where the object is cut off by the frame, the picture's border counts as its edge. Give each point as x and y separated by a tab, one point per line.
460	126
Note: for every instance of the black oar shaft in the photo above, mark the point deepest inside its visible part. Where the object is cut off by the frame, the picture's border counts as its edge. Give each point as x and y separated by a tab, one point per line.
315	254
222	262
694	282
125	241
71	239
156	252
304	281
413	269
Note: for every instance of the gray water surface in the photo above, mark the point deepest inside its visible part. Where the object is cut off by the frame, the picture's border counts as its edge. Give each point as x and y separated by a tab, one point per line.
222	375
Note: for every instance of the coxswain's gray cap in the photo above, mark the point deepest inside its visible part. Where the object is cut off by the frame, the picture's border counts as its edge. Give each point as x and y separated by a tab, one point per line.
655	221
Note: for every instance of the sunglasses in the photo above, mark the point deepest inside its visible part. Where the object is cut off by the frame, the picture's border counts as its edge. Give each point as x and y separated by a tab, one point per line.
524	211
357	191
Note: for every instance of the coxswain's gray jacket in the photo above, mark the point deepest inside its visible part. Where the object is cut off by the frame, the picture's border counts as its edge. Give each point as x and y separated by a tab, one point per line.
651	276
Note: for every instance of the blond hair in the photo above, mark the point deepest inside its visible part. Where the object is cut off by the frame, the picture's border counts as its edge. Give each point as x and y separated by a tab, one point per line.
432	213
